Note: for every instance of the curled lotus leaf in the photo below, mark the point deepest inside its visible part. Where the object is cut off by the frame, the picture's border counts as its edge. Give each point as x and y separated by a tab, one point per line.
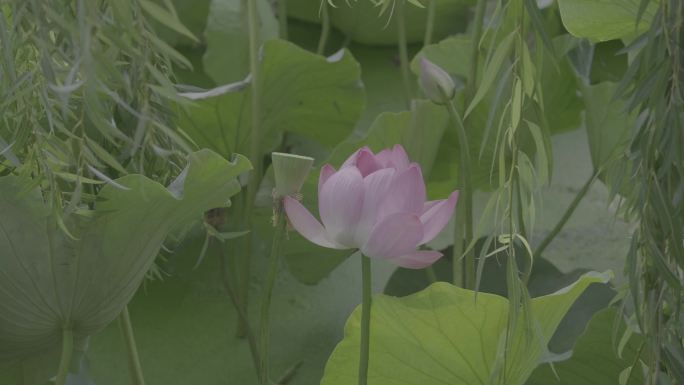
50	282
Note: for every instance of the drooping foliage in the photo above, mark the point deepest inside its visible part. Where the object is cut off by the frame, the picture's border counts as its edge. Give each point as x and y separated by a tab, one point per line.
104	105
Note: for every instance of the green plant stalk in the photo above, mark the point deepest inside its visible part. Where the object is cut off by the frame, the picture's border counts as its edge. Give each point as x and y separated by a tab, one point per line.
430	23
134	365
403	52
226	278
471	86
67	353
568	213
458	247
255	155
365	320
466	205
266	295
282	19
430	274
325	27
465	201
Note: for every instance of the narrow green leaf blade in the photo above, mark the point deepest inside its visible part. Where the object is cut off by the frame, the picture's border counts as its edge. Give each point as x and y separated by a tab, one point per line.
492	70
165	17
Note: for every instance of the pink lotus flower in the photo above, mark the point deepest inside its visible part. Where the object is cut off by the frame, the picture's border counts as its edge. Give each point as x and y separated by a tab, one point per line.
375	203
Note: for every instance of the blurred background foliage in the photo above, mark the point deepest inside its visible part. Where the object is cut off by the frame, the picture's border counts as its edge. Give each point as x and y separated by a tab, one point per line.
568	103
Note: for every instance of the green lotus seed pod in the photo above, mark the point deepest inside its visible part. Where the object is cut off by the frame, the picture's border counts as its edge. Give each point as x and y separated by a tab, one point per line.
290	172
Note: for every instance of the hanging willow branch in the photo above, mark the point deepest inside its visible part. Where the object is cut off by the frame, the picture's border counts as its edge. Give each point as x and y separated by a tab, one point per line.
652	88
519	170
84	96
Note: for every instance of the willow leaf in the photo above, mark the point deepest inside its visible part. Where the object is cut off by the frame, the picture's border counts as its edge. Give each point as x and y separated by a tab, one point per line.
492	70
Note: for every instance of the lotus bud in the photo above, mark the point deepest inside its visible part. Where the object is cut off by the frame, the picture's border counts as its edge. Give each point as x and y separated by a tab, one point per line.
436	83
290	172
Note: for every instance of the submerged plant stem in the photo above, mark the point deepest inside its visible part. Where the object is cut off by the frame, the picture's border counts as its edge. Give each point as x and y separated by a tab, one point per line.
568	213
266	295
325	27
67	352
403	52
365	320
134	365
465	203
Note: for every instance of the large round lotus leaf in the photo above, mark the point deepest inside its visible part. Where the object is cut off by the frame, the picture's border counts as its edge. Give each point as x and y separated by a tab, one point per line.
594	359
608	123
226	59
602	20
362	22
49	281
303	93
446	335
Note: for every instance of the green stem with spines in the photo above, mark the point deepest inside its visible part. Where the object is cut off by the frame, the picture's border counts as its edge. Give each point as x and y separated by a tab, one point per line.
67	353
465	202
267	294
365	319
568	213
403	52
134	365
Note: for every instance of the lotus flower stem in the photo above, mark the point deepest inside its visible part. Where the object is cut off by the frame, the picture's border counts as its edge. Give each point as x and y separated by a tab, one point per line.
255	152
129	338
467	220
403	52
431	275
266	295
458	248
67	352
325	27
430	24
255	87
478	22
365	319
282	19
465	204
376	204
568	213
